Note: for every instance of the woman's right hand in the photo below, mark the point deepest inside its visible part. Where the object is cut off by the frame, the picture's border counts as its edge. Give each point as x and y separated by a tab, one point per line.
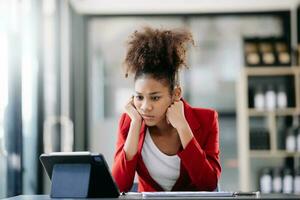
132	140
132	112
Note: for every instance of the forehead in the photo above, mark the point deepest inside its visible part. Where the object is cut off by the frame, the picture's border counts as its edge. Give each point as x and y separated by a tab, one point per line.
148	84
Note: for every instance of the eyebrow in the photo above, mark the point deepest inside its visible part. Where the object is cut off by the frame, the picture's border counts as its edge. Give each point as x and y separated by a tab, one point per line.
152	93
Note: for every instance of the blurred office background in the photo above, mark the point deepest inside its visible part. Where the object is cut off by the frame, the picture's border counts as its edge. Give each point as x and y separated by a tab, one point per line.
62	87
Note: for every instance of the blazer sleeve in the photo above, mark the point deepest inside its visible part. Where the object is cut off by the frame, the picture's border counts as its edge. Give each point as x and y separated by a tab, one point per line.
203	164
123	170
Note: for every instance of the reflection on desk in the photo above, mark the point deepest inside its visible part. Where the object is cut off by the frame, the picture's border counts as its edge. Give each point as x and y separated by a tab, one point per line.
139	196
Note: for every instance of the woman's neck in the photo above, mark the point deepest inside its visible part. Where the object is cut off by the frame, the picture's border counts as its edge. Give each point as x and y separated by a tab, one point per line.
162	128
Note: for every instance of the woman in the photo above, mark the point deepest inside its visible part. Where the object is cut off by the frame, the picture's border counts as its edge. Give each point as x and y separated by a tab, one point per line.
171	145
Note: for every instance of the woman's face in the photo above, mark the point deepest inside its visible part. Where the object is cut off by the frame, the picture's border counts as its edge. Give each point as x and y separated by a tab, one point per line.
152	99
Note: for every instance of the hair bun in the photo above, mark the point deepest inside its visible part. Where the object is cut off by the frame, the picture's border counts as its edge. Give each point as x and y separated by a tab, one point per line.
157	51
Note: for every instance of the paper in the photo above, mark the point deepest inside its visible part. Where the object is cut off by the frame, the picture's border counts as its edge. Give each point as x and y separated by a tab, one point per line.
186	194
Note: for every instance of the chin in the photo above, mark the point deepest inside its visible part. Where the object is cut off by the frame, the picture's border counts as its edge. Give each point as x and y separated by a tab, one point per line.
152	122
148	123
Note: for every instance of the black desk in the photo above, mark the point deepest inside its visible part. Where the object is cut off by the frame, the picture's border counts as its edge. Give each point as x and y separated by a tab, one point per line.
139	196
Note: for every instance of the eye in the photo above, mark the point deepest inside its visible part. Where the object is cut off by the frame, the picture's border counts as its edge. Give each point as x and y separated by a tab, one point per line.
155	98
139	97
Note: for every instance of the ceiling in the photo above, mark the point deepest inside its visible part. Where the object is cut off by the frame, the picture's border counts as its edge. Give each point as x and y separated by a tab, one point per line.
102	7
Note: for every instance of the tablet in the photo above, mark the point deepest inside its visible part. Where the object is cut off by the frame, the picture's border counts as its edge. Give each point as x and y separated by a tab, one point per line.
101	182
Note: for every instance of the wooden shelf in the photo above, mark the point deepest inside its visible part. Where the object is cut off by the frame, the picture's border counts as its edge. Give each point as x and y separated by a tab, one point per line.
271	71
245	154
278	112
272	153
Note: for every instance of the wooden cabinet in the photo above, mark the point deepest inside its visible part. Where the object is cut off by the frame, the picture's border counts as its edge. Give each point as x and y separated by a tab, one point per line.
245	112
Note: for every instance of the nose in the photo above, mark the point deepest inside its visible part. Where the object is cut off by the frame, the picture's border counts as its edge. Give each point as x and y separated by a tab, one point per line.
146	106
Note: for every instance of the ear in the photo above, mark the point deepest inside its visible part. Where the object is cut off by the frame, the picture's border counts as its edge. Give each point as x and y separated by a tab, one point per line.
177	94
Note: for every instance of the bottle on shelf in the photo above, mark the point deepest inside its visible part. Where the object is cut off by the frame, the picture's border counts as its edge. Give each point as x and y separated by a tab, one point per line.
281	132
277	180
259	100
297	132
252	56
290	140
292	135
267	51
297	180
298	140
265	181
270	98
287	180
281	97
283	53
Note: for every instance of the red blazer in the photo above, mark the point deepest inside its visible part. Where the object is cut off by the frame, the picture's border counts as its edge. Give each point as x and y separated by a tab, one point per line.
200	166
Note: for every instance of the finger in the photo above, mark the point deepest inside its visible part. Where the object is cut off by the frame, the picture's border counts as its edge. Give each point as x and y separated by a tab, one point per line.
129	101
167	118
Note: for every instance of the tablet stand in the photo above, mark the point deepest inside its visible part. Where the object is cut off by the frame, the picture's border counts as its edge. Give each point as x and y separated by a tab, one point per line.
70	181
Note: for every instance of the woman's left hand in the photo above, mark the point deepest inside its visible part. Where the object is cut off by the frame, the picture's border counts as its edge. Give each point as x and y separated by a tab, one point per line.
175	115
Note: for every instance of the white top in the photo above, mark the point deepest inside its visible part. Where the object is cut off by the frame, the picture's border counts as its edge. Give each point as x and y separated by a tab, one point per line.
163	169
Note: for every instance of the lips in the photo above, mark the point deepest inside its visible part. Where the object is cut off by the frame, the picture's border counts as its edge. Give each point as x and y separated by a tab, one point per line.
147	116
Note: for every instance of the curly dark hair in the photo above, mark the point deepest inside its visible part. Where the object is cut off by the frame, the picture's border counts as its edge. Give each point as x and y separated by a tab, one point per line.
157	52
